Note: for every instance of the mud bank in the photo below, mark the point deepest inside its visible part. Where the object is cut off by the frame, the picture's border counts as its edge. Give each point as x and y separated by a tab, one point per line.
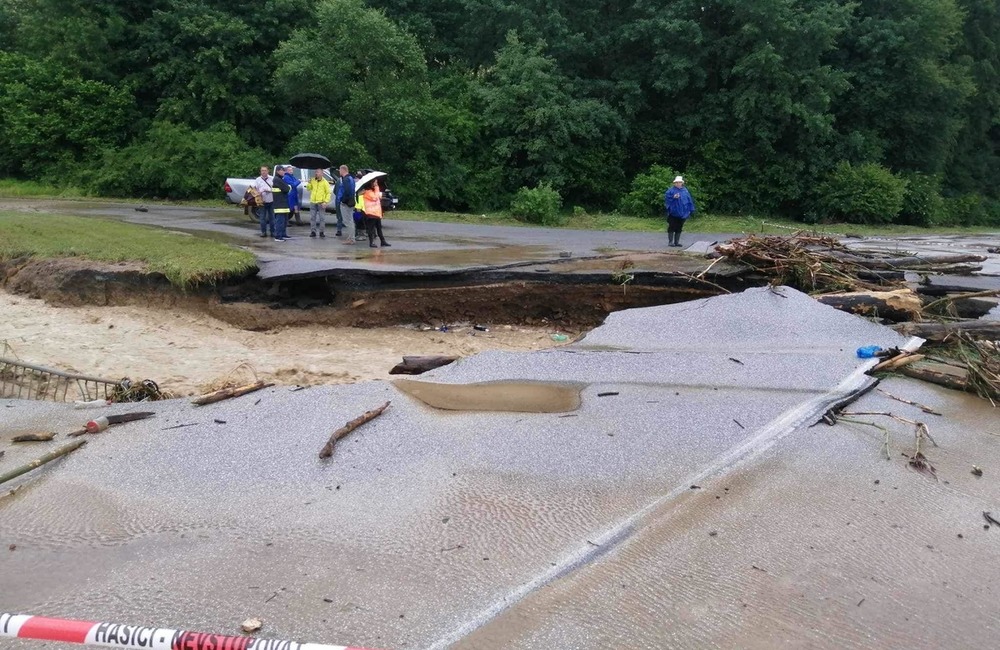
576	295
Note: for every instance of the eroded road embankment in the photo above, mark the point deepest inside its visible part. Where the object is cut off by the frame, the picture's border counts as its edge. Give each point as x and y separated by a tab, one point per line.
567	293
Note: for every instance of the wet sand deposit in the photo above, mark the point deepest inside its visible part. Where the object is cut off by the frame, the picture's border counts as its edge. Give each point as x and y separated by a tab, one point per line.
184	351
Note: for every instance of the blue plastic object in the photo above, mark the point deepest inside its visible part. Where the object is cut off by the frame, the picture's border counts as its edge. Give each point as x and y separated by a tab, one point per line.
869	351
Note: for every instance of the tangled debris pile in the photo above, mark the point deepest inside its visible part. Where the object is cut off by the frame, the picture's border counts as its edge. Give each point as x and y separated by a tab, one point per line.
875	285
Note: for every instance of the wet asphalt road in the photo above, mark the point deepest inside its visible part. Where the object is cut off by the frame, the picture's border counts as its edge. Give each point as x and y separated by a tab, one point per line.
686	503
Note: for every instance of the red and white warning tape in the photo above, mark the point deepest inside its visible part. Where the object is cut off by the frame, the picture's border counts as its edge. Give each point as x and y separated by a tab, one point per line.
112	635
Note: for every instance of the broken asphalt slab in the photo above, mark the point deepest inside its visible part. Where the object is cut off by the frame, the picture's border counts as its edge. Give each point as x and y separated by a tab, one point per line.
432	527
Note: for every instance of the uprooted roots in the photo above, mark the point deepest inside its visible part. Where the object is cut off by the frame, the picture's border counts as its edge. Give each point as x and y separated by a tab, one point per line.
241	375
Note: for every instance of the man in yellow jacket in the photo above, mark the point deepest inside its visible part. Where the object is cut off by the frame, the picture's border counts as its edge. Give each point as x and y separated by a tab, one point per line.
319	196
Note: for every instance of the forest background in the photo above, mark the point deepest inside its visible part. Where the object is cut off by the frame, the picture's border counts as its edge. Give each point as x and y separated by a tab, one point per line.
867	111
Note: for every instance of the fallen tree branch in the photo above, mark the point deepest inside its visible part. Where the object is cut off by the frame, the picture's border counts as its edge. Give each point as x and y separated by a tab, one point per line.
327	449
925	409
229	393
34	437
938	332
52	455
936	377
897	362
961	296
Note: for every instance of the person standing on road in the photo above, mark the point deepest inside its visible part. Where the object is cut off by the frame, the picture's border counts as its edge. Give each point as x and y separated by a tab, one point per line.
281	191
680	206
265	213
319	196
359	211
373	214
345	204
293	195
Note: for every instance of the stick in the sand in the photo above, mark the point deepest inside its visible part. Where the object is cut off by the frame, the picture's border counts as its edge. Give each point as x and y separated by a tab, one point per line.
52	455
922	407
229	393
327	449
34	437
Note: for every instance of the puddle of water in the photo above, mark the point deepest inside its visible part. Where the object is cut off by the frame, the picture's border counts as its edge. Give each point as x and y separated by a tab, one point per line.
521	397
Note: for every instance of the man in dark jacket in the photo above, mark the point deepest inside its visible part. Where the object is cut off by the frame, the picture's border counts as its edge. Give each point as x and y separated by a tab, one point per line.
281	191
680	205
345	204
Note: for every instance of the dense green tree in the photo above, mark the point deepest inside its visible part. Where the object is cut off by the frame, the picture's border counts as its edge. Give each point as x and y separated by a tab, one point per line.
907	94
975	165
536	129
758	101
372	75
53	119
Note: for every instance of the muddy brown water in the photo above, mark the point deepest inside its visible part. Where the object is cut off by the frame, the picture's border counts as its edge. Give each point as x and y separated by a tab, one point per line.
521	397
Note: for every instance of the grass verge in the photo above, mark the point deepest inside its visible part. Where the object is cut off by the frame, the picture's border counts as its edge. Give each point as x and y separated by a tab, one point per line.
700	223
184	259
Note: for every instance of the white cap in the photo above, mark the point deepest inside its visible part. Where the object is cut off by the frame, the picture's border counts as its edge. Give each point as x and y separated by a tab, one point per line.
679	179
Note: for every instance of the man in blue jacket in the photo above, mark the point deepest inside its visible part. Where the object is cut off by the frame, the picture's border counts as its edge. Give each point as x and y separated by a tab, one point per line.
345	204
680	206
293	196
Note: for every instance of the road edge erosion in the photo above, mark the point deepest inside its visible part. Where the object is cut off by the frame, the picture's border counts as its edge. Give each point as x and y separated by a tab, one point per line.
358	297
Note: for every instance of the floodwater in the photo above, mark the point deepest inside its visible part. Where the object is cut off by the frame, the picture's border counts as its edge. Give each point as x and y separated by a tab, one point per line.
520	397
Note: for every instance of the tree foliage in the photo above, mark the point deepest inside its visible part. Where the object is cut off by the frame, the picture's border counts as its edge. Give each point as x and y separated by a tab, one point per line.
466	101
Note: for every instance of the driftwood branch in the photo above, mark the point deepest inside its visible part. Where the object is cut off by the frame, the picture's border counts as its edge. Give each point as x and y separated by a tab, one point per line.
34	437
961	296
936	377
937	332
327	449
52	455
229	393
897	306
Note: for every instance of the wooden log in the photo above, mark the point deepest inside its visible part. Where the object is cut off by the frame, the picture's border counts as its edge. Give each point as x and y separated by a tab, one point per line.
923	262
420	364
897	306
981	330
327	449
229	393
34	437
945	379
898	361
38	462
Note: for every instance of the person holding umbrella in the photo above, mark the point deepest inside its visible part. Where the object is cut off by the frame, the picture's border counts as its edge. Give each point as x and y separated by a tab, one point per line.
373	214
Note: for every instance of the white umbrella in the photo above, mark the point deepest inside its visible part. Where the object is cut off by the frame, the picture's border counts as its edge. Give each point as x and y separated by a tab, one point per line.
368	178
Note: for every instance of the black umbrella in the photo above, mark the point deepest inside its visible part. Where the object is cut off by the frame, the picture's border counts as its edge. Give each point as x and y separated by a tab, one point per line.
310	161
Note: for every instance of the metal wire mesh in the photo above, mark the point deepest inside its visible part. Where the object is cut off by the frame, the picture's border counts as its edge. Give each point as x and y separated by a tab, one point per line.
26	381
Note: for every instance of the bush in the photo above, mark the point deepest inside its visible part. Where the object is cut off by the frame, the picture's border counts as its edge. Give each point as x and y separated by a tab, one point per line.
864	194
971	210
645	197
177	162
330	136
922	203
539	205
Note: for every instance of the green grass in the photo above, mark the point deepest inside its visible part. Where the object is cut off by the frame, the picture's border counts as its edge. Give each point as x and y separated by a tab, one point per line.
10	188
14	189
700	223
184	259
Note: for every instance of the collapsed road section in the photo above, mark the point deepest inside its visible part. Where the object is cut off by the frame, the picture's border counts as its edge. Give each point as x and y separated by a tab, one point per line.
683	500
